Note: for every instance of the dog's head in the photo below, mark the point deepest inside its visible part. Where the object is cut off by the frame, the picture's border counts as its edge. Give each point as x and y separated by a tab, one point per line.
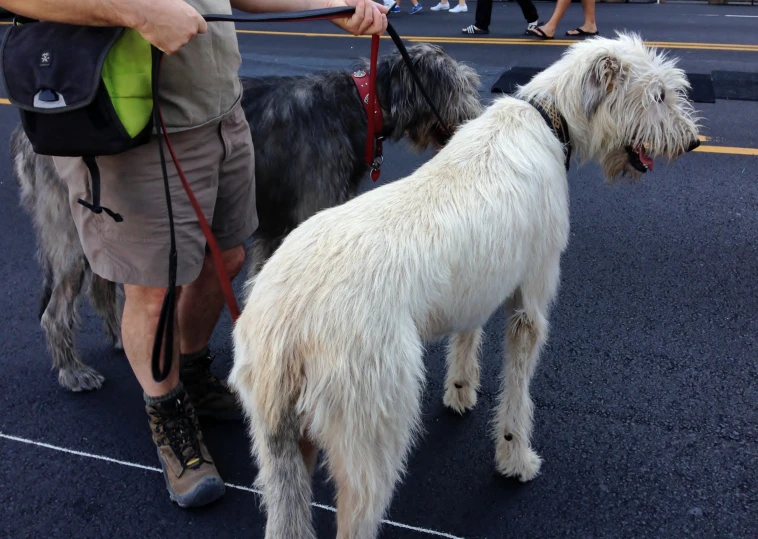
625	103
453	88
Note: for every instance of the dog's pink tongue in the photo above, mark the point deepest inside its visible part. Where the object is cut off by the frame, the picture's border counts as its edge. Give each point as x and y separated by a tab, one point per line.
644	157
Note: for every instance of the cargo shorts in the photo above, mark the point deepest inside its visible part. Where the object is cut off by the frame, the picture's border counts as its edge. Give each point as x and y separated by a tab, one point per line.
219	163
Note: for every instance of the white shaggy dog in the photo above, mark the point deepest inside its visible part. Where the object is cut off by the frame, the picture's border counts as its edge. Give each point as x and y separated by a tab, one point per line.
329	349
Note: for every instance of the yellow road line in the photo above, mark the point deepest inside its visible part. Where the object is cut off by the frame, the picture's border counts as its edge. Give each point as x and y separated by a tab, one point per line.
515	41
727	150
510	41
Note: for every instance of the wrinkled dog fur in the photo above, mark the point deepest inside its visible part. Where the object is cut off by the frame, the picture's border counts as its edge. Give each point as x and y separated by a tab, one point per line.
329	348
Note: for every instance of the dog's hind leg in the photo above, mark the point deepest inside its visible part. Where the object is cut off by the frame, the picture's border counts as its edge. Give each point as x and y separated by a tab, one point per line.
526	333
369	434
462	380
107	299
59	322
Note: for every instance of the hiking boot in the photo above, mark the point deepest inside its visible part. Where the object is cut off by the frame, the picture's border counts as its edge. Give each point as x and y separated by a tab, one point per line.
191	477
210	396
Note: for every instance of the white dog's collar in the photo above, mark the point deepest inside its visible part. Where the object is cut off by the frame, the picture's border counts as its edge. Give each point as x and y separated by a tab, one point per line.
555	120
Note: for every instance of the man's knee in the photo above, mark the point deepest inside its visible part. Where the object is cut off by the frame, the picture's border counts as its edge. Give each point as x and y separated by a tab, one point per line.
234	259
146	299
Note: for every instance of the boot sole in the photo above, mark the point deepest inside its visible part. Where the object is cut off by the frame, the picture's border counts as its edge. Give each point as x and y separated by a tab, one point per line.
208	490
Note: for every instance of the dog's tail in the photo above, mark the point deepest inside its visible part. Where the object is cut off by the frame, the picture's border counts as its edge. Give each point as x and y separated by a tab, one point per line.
267	377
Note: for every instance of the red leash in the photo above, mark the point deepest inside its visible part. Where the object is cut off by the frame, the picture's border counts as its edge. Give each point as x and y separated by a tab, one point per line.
226	282
372	107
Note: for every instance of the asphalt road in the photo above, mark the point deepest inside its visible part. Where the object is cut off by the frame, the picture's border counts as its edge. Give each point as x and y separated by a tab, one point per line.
645	395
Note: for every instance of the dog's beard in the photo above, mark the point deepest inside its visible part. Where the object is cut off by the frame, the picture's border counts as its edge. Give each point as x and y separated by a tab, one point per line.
621	163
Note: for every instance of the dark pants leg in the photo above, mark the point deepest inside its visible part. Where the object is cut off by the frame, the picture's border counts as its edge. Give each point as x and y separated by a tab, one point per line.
527	8
484	13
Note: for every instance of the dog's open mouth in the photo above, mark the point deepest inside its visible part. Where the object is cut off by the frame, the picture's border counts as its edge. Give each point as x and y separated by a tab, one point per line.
639	158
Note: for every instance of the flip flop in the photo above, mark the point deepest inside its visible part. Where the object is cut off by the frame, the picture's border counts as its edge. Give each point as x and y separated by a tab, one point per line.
537	32
471	29
580	32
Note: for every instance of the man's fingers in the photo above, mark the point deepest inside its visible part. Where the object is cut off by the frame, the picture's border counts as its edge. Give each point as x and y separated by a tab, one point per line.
357	18
202	26
368	17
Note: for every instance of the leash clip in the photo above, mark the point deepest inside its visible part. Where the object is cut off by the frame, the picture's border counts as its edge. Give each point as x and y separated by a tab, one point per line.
376	164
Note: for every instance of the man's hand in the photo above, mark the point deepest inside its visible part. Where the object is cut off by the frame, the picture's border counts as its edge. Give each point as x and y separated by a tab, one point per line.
369	18
170	24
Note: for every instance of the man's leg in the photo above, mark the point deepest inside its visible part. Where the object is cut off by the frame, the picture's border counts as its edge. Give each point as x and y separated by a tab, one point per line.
142	308
135	252
234	220
202	301
198	311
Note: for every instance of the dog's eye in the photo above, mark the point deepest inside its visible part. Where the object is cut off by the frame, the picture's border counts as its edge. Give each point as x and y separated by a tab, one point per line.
662	96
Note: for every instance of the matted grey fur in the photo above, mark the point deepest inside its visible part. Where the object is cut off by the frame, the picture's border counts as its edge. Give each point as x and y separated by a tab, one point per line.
310	132
309	136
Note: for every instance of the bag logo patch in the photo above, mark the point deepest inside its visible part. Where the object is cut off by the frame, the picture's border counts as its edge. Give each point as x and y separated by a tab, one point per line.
44	60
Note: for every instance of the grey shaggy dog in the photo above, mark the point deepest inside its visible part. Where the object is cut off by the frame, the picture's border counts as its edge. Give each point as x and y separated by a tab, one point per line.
309	134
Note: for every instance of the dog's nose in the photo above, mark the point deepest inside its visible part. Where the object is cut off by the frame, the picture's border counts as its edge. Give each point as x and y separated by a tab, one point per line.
694	144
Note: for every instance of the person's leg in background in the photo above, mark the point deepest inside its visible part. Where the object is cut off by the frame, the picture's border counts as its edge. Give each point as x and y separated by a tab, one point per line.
590	24
482	18
530	14
547	30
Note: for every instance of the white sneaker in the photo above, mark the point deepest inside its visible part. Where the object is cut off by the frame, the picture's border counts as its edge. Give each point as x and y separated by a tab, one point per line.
459	9
441	7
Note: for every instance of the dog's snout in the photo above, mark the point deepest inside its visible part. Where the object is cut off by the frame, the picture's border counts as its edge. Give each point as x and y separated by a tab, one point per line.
694	144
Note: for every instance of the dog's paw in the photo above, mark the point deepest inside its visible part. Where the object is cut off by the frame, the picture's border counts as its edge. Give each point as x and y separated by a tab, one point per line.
82	378
516	460
460	398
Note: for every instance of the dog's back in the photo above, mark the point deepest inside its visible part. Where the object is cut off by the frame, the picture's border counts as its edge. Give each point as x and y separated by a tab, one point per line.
309	137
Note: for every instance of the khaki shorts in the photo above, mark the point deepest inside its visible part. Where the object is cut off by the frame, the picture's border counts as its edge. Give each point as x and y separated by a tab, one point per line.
219	163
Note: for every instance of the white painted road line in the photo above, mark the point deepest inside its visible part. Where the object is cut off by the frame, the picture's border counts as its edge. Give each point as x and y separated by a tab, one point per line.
230	485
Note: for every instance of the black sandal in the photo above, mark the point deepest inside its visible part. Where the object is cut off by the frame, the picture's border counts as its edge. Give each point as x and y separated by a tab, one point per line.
538	32
580	32
471	29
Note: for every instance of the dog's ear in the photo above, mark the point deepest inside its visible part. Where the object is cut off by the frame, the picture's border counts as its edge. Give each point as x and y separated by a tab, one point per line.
600	81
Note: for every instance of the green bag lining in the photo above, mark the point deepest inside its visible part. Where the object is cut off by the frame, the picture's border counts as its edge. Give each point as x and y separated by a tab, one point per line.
127	74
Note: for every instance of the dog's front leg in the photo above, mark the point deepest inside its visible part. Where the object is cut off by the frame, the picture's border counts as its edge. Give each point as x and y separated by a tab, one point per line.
525	334
462	381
